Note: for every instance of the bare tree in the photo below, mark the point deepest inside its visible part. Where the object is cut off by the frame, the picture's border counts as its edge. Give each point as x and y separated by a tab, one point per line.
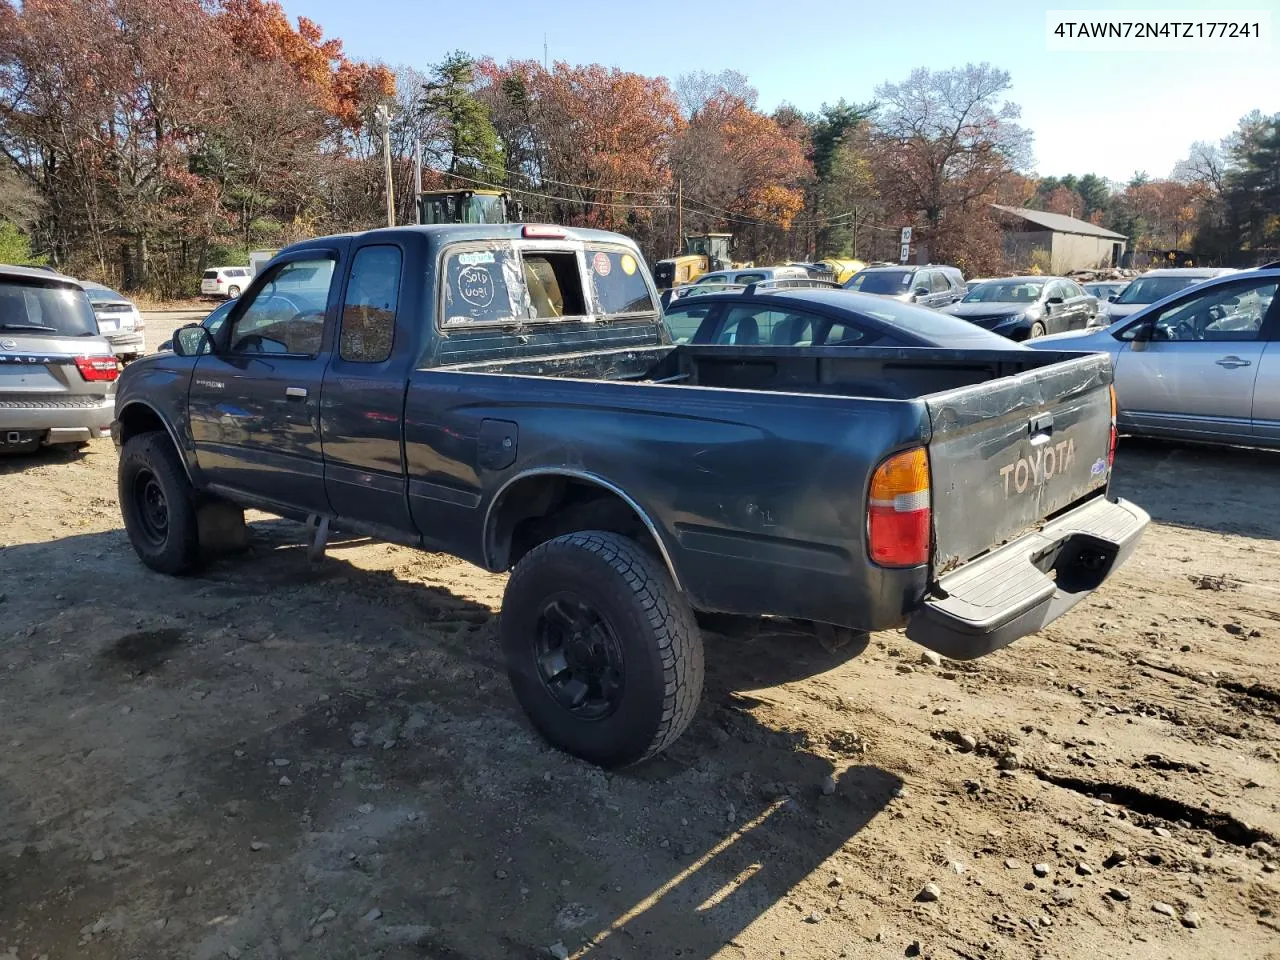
695	90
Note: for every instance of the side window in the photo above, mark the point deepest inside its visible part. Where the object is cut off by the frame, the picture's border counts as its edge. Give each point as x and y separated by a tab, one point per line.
843	334
287	314
747	325
554	285
683	322
1228	313
940	283
749	278
369	313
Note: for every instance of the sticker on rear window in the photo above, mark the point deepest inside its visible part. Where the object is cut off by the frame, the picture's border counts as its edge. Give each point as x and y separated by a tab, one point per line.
600	264
906	278
471	259
628	264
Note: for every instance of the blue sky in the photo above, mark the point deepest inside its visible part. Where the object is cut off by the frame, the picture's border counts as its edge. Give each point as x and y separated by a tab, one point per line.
1107	113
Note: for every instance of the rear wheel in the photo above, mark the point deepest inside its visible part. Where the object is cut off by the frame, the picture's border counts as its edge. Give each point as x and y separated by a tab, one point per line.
233	292
158	504
602	650
1037	330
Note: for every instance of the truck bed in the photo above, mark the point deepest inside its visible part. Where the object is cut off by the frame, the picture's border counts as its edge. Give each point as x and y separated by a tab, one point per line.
898	373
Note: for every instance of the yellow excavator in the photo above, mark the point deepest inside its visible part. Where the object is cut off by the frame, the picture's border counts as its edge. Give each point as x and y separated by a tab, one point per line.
468	206
703	252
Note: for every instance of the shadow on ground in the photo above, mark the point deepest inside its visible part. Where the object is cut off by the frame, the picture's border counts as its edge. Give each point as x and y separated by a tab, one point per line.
1220	489
214	764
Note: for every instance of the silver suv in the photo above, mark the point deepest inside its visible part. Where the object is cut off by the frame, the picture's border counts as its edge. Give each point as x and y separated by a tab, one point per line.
57	372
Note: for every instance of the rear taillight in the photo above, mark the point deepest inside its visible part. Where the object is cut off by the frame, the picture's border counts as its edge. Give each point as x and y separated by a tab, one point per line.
1111	448
98	368
218	280
899	511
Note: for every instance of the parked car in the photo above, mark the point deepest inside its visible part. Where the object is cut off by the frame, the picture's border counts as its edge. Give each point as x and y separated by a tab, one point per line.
119	320
732	279
507	393
819	317
1152	286
226	281
57	373
1024	307
1201	364
930	286
213	323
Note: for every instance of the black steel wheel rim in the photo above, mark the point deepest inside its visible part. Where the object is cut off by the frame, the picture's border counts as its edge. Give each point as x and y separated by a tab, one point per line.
153	508
578	657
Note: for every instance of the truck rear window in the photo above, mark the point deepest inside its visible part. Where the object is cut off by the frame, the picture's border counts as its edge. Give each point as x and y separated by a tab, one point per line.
618	282
482	284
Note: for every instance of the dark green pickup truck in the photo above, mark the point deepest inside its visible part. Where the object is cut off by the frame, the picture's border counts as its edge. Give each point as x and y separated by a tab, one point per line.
509	394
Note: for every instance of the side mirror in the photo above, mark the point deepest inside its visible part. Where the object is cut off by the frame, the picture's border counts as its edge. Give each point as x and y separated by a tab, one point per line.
193	340
1055	300
1142	335
921	291
1113	298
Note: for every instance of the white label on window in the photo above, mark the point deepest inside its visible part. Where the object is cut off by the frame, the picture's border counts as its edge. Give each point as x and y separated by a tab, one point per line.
479	256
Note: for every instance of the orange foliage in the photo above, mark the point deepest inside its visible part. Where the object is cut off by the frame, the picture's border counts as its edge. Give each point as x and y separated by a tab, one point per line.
339	86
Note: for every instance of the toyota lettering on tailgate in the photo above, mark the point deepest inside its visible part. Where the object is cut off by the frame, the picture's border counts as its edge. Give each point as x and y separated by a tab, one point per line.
1034	470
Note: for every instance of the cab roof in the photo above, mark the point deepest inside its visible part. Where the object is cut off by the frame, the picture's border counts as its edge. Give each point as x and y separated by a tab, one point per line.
439	233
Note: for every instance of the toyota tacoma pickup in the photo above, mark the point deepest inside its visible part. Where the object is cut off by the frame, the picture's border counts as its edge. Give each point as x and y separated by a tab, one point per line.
509	394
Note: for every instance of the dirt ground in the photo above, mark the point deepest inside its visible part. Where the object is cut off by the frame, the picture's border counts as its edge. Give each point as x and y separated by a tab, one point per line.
281	759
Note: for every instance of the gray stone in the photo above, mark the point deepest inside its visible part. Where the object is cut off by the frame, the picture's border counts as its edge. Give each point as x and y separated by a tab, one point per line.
1118	893
1162	833
930	893
257	845
1042	869
906	668
558	950
1084	869
1012	760
828	785
930	658
1191	920
1013	863
1163	909
329	914
372	916
1264	850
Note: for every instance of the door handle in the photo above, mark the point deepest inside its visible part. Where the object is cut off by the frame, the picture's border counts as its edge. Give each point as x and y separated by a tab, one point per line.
296	393
1232	362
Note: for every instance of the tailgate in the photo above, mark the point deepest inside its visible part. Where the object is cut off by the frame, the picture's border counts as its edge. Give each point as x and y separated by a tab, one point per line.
1008	453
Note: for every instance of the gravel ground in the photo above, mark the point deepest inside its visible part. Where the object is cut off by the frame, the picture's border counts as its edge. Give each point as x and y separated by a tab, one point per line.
278	758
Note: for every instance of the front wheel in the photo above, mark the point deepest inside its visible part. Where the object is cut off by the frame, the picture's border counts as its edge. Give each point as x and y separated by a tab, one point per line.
603	651
1037	330
158	504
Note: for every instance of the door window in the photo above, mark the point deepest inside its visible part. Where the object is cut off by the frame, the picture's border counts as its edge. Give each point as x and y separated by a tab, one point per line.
843	334
747	325
369	313
1227	313
287	314
939	282
683	322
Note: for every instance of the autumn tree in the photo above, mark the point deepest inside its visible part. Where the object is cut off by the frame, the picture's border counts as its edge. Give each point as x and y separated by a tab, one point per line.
945	141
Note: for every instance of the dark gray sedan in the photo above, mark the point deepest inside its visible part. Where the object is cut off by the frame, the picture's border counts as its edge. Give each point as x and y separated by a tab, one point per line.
1022	308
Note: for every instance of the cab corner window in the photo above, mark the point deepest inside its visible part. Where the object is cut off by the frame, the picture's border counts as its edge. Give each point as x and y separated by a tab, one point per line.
369	312
286	315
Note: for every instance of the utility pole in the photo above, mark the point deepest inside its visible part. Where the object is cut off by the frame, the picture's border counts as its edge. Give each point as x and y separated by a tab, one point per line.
544	52
679	215
417	180
855	231
384	117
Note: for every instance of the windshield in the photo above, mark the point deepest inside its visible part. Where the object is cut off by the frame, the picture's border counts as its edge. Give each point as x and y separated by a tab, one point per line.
1151	289
54	309
941	329
102	295
1004	291
881	281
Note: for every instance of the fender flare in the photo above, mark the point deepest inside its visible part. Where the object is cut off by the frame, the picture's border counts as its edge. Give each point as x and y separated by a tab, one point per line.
592	478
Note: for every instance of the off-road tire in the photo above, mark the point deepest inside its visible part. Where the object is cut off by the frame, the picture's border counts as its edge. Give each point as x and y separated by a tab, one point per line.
151	457
1037	330
659	640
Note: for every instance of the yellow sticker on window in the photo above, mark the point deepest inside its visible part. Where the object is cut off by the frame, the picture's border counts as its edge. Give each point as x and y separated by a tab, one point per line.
628	264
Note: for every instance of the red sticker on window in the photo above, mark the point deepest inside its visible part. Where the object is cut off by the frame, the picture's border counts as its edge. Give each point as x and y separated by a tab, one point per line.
601	265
